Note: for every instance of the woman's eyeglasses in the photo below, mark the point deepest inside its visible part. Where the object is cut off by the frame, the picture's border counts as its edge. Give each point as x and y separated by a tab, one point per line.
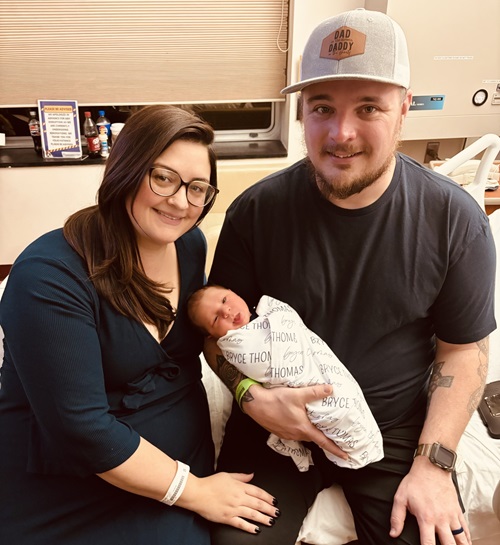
166	183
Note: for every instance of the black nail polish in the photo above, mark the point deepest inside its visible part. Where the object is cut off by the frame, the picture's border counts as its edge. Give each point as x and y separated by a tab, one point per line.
275	502
271	522
277	513
257	530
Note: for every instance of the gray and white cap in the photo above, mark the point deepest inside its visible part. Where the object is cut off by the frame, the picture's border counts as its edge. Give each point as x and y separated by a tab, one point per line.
356	44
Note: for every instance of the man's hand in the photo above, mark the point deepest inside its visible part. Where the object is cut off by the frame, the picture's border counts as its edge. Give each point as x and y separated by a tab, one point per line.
282	411
429	494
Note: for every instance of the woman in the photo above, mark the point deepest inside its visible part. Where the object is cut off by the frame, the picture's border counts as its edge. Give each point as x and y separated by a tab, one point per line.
104	420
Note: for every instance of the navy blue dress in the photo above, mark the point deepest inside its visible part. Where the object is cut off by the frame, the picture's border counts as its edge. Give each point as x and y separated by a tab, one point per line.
80	384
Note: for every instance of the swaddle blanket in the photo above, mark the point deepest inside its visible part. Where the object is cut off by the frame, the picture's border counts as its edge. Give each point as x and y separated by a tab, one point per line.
277	349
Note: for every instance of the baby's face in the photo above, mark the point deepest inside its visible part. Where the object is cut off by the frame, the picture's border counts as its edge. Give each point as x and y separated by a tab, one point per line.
220	310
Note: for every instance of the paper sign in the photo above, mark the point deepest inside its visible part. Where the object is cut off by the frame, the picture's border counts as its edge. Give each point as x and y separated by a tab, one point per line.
60	129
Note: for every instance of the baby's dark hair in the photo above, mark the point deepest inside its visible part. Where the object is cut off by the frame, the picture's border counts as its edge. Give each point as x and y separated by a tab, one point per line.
193	301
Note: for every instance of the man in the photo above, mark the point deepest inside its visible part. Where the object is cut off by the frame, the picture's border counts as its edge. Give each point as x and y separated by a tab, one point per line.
393	266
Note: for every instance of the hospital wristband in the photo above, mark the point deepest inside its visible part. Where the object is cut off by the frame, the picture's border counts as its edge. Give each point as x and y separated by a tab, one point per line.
177	485
242	388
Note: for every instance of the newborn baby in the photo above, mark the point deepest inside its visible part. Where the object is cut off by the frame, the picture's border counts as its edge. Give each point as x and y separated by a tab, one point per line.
277	349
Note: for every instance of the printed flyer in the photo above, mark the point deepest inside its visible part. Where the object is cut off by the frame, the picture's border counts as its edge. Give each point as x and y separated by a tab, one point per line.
60	129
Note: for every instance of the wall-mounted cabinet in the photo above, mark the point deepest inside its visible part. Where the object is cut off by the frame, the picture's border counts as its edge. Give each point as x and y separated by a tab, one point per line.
454	52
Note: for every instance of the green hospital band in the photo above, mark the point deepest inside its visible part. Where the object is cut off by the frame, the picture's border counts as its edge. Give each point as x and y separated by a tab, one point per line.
242	388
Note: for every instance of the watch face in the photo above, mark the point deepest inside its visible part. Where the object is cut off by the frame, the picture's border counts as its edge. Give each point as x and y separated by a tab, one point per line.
442	456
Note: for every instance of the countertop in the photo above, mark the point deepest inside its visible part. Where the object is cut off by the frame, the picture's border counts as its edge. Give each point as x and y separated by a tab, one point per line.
26	157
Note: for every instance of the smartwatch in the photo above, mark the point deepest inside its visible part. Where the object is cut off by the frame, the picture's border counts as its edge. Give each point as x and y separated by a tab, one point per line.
440	456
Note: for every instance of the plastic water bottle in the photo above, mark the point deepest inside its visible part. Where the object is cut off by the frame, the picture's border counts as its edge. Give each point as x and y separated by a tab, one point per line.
103	121
34	127
92	136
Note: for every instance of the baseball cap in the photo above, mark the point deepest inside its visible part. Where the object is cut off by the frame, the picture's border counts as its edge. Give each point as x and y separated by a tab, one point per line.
356	44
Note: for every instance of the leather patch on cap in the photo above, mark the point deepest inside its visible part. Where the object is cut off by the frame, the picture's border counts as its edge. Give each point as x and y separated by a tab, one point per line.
343	43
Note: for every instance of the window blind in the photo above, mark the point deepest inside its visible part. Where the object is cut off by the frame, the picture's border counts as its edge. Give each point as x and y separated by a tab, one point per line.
142	51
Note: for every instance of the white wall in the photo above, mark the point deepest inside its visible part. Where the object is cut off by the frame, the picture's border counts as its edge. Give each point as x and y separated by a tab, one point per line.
38	199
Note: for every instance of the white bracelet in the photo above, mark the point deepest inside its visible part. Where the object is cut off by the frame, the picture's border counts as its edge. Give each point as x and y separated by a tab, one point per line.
177	485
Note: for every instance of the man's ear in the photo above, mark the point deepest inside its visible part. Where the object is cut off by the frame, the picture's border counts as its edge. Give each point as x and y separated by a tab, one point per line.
405	106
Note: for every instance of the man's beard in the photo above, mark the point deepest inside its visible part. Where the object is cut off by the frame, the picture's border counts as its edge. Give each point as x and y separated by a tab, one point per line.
332	190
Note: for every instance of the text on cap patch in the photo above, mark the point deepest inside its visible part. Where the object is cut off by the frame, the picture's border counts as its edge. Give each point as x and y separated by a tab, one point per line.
343	43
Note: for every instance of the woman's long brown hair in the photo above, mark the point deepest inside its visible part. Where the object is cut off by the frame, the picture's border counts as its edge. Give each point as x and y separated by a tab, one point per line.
103	235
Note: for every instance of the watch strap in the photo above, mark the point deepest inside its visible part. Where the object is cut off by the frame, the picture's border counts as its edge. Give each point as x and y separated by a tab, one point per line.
423	450
432	452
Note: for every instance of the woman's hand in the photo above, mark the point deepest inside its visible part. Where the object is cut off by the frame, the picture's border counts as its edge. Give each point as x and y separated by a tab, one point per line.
228	498
282	411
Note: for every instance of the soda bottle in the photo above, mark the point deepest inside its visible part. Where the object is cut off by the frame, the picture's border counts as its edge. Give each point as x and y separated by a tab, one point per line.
92	136
103	121
34	127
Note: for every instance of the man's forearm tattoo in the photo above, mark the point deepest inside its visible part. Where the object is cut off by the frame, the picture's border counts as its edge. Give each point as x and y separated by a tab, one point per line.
247	397
484	356
482	371
228	373
438	380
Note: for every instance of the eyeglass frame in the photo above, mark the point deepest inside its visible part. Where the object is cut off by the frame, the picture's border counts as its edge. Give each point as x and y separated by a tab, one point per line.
183	183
